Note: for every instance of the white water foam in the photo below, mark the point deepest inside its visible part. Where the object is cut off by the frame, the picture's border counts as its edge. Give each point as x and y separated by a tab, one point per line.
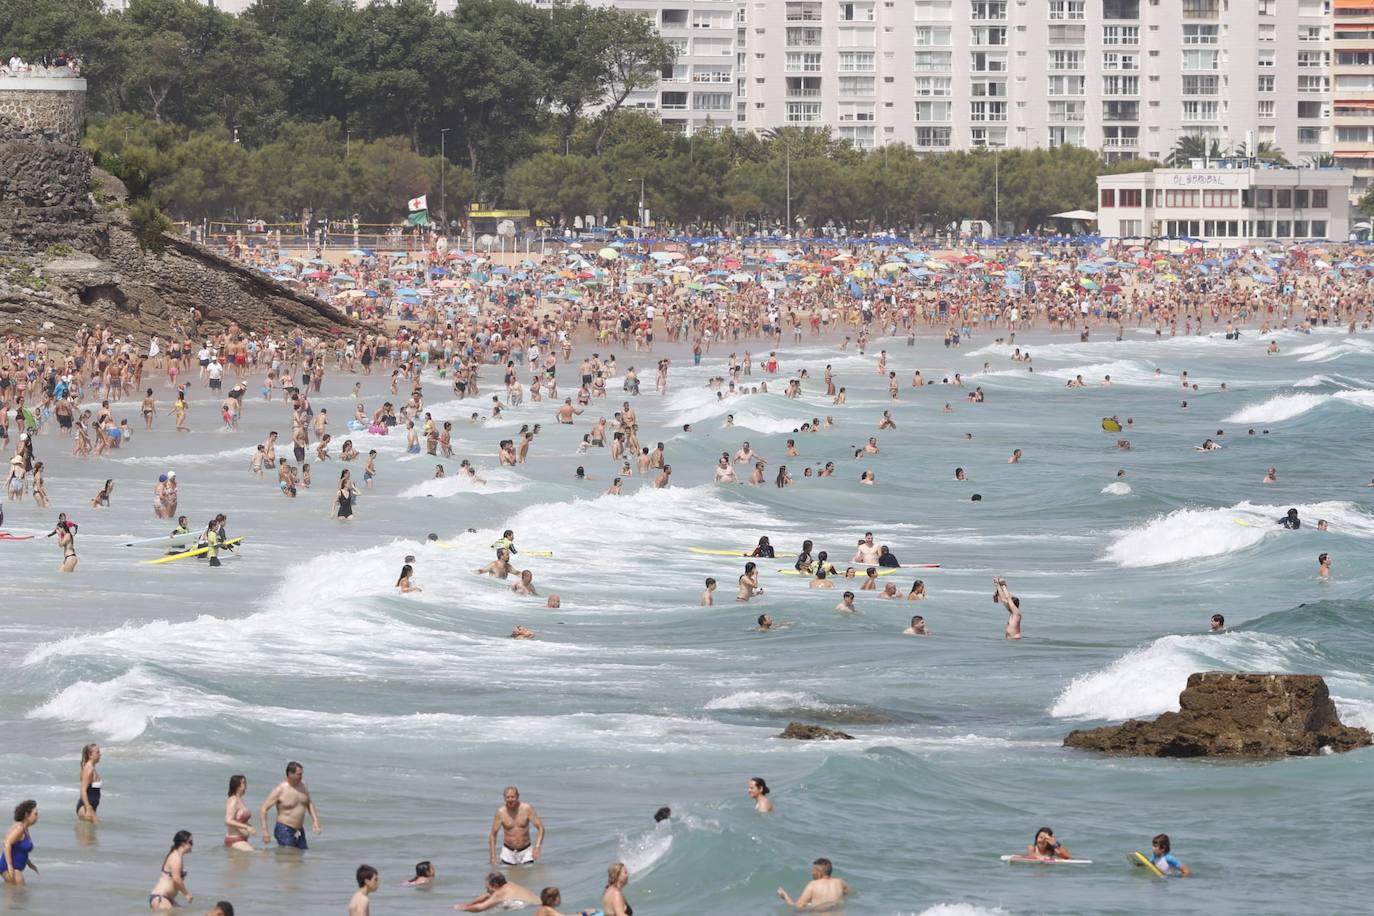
1287	406
497	481
767	699
1117	489
1193	534
1328	351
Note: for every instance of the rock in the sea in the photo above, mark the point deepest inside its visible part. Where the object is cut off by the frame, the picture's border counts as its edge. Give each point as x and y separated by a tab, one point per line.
1234	715
803	732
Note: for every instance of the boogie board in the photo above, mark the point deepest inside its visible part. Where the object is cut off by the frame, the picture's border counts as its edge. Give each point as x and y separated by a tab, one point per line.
1110	425
1139	860
194	552
171	540
1036	860
6	536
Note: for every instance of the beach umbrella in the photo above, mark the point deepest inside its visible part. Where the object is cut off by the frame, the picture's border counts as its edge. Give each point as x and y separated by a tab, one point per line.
501	272
1088	284
317	275
739	278
701	259
610	254
342	278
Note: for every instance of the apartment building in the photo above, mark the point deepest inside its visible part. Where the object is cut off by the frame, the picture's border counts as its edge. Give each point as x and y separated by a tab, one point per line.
1126	77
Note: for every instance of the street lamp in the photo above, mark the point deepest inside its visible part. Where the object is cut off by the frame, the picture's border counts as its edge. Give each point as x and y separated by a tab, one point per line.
996	188
443	172
348	143
639	224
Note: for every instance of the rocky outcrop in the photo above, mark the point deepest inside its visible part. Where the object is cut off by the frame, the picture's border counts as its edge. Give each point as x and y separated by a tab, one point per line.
1234	715
800	731
68	256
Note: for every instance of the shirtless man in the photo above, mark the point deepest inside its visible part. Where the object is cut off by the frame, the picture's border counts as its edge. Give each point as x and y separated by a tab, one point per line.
708	597
846	604
822	891
747	455
368	879
917	628
1012	604
749	583
867	552
514	820
565	415
501	894
525	586
500	567
292	801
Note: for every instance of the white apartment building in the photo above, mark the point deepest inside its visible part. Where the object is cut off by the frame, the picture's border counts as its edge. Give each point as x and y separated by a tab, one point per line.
1126	77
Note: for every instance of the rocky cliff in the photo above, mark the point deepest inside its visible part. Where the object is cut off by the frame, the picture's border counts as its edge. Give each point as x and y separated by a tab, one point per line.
68	255
1234	715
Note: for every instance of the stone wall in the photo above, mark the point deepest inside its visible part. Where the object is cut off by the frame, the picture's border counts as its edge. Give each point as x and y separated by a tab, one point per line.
45	104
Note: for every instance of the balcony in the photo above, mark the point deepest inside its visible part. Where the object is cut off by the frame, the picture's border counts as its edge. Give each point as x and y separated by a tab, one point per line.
1121	142
803	93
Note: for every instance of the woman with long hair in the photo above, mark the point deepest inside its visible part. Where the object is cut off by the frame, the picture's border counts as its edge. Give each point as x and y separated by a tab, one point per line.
237	830
172	881
88	798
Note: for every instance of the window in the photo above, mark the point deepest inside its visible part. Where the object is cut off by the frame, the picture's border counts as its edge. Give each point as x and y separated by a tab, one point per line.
989	62
714	101
1201	85
1106	198
1264	198
1130	228
987	111
1318	228
1310	59
858	137
1120	9
1070	85
1265	84
1121	111
936	86
1310	134
1264	229
1128	197
857	38
988	10
1265	59
803	112
929	36
1066	9
1201	34
712	75
1201	9
1311	33
857	61
1354	58
1313	84
1301	198
803	87
855	85
803	62
988	89
934	10
1267	32
933	137
1309	109
1182	198
1284	198
1200	60
993	35
932	60
1319	201
1114	60
1121	35
851	111
1066	111
1120	85
1200	111
1066	136
673	101
1067	60
1283	229
934	111
1213	199
1068	34
803	38
1266	109
856	12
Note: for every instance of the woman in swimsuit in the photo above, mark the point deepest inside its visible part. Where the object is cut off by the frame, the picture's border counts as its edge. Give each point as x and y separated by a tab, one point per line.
102	499
40	492
343	500
613	902
404	583
238	831
18	845
67	541
88	795
172	881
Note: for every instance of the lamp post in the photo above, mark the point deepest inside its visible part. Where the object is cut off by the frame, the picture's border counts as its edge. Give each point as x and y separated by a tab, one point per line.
639	223
996	189
348	143
787	152
443	172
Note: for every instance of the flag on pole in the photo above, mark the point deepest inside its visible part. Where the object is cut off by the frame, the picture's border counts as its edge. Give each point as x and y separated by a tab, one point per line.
418	203
418	218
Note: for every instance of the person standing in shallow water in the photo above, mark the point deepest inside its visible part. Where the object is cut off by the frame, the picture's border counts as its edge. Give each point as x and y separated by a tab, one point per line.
88	797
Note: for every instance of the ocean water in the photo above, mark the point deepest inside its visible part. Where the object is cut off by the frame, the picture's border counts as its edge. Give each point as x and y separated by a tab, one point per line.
411	713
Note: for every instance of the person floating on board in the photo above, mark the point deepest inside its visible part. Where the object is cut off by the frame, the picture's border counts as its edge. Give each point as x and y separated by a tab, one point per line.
1162	859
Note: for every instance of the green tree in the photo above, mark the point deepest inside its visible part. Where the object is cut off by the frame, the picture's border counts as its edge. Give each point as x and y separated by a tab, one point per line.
559	188
1193	146
208	176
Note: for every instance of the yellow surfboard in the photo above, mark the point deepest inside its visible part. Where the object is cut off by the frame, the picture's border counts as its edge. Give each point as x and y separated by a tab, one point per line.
1110	425
1139	860
193	552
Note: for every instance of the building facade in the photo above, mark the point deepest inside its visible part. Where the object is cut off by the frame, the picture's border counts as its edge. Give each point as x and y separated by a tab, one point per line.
1227	202
1126	77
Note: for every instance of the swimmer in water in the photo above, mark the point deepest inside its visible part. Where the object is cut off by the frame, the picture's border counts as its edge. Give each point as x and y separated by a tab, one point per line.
1291	521
500	894
846	604
708	596
765	623
758	791
1324	565
917	628
1012	604
749	583
1272	476
368	880
1217	624
1046	847
500	567
823	891
1162	859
